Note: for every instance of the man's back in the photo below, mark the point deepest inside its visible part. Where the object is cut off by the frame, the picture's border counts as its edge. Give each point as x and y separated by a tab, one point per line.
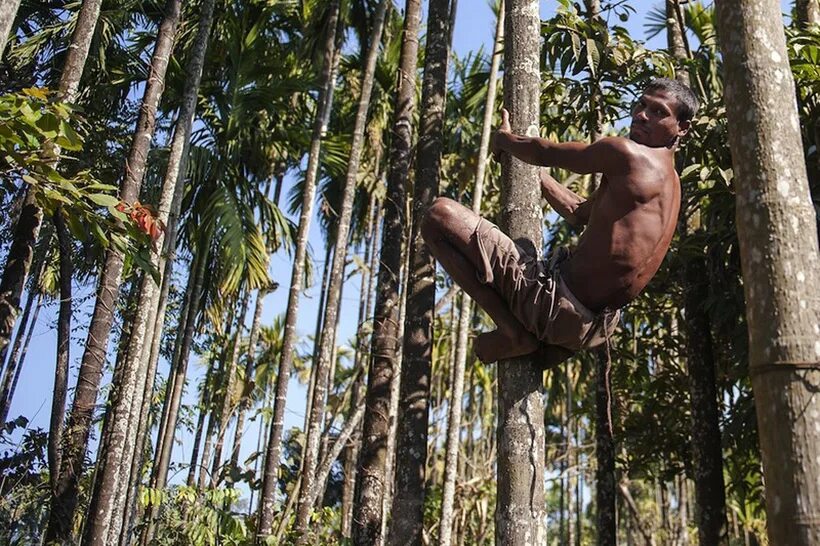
631	224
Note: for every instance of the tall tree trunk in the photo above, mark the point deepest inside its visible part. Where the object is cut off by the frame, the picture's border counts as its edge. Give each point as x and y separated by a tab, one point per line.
272	451
11	365
320	315
362	360
118	429
154	298
227	395
55	429
706	443
177	374
15	364
21	252
204	409
250	365
8	11
605	456
777	231
520	502
367	511
808	12
465	311
327	340
407	523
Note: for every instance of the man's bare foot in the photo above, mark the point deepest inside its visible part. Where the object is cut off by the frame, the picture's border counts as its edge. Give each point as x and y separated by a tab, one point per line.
495	345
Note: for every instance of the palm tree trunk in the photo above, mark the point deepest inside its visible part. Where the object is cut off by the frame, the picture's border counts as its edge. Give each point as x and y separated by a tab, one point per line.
780	263
119	427
179	366
605	455
15	364
320	315
272	450
361	360
327	340
250	365
8	11
11	365
55	429
21	252
153	299
367	515
204	398
465	311
808	12
520	504
227	395
411	439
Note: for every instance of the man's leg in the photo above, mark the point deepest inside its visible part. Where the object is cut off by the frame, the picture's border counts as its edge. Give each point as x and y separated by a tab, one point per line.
447	229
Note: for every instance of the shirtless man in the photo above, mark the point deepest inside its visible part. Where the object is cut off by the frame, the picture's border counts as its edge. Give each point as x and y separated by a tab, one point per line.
571	299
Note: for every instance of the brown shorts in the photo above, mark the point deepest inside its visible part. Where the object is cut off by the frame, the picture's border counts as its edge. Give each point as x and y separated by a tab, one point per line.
537	295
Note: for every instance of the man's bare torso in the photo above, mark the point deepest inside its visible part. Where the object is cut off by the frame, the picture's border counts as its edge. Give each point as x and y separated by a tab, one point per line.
631	224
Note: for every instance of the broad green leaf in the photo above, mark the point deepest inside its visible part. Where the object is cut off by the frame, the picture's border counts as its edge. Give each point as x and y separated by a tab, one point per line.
104	200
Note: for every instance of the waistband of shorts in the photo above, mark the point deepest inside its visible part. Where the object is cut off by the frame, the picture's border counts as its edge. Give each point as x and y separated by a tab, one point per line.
582	309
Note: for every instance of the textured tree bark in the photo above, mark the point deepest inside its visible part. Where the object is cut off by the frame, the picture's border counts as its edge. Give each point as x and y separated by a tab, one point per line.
362	361
153	298
55	429
367	511
675	40
227	406
28	225
406	524
8	11
605	456
779	258
107	473
272	450
15	364
63	499
465	311
250	365
808	12
520	503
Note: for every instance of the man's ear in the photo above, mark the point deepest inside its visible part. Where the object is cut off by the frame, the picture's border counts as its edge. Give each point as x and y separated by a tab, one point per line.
683	128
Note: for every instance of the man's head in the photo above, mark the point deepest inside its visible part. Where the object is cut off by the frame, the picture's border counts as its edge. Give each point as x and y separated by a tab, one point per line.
663	114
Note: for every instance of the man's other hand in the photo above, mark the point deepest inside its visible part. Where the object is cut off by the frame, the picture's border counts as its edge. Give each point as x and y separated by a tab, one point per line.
500	134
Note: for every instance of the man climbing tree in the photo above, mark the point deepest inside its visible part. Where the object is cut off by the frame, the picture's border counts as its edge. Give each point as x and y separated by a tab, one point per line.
570	301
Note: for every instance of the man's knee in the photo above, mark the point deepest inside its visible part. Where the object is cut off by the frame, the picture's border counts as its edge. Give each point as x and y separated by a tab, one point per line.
437	216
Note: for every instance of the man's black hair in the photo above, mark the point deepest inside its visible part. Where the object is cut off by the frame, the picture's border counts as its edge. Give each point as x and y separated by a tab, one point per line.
687	101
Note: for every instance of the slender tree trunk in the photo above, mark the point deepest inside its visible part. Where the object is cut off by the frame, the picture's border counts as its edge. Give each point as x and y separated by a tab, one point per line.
777	231
269	477
808	12
55	429
520	503
407	521
465	312
152	298
250	365
320	314
675	40
176	377
367	511
204	397
11	365
227	396
605	455
28	225
327	340
8	11
15	364
362	361
118	429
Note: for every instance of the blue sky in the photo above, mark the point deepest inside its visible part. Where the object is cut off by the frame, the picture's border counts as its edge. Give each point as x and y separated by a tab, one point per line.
474	27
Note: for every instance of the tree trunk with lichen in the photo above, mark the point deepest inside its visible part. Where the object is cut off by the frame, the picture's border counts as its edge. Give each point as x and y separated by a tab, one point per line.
808	12
520	503
780	263
406	525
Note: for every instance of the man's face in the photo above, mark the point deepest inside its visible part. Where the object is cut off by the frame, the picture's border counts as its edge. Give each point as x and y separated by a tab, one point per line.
655	121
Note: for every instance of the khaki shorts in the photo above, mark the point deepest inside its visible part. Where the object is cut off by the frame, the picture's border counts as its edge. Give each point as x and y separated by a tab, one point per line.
537	295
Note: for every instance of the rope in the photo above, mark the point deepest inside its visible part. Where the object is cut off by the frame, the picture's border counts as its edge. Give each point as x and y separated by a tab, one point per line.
782	365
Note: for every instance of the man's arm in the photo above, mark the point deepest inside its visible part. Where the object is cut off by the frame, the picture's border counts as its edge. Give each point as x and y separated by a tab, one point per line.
571	206
607	155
